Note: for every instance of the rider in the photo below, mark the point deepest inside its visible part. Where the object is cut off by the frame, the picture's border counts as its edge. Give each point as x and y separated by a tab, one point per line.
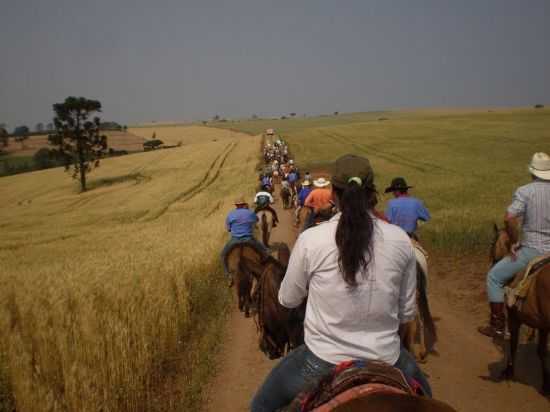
266	182
292	178
531	205
359	276
240	222
405	210
319	199
302	196
263	201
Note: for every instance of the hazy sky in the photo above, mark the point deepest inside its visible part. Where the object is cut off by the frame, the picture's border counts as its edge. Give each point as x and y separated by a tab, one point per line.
189	59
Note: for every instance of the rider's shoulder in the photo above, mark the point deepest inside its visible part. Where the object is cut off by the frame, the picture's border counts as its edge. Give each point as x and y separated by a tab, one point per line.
392	232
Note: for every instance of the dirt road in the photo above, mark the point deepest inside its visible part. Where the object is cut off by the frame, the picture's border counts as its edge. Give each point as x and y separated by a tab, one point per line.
460	374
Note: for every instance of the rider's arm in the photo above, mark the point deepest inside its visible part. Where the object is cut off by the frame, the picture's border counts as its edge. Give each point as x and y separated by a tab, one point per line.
309	202
422	212
294	286
228	223
515	211
407	294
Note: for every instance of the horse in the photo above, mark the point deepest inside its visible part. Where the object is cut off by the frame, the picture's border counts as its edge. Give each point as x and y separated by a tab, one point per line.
267	222
419	335
281	329
534	312
364	386
245	261
286	196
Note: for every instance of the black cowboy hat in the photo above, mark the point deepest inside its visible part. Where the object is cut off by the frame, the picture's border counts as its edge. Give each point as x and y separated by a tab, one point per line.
398	184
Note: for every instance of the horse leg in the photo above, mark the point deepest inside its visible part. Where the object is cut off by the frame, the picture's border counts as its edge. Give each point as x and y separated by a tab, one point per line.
542	352
513	326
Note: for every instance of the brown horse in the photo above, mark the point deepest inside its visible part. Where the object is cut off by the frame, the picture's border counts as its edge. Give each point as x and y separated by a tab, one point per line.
302	217
419	336
534	312
286	196
281	329
267	222
245	261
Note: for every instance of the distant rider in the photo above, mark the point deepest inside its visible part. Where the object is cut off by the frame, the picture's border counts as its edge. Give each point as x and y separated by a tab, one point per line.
263	201
240	222
531	206
319	199
302	196
405	210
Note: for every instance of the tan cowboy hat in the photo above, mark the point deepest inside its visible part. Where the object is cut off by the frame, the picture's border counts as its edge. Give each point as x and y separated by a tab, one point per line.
306	183
540	166
240	201
321	182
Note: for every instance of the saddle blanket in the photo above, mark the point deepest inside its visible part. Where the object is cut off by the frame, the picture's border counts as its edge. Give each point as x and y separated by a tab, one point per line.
517	291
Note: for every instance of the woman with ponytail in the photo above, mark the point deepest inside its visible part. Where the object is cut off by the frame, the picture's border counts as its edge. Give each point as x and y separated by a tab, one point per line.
359	276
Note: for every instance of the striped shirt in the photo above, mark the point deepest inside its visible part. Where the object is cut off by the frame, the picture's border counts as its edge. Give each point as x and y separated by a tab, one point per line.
532	203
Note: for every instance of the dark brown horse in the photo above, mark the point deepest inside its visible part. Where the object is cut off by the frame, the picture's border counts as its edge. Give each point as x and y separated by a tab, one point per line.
281	329
534	312
245	261
286	196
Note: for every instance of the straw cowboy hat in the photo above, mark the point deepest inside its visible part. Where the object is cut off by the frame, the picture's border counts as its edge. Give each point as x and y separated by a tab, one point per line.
321	182
398	184
306	183
540	166
240	201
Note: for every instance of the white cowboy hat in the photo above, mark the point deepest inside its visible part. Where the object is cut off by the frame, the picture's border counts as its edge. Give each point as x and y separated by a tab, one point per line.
321	182
540	166
306	183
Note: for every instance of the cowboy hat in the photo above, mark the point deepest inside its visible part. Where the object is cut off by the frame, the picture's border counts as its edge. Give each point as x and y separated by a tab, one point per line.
321	182
540	166
240	201
398	184
306	183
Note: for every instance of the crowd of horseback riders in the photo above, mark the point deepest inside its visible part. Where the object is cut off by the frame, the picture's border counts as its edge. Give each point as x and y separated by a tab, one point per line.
349	304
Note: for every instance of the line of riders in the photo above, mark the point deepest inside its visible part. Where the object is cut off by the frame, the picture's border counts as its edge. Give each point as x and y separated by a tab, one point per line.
356	282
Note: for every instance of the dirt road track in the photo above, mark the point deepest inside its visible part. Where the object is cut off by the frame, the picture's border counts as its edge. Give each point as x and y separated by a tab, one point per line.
460	374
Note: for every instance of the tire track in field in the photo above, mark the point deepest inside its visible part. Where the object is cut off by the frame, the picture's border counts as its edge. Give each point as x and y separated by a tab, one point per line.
204	183
388	156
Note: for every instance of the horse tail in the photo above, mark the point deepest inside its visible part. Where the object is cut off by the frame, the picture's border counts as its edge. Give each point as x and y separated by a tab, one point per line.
430	332
265	232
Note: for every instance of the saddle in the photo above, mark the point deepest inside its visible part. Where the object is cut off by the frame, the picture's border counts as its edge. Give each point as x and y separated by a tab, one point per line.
349	380
517	290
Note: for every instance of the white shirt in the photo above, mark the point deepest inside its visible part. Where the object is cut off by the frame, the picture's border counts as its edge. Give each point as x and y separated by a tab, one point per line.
343	323
263	194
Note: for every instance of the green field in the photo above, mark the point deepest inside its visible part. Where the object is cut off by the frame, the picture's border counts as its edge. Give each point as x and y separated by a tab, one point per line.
465	164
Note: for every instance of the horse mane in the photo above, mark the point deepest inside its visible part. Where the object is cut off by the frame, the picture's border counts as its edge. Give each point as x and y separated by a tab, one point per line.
424	309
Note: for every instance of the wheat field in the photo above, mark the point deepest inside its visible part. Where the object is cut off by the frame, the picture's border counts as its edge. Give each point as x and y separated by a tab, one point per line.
464	163
109	295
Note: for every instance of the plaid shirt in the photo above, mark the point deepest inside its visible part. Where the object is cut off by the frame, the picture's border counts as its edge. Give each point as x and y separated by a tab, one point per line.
532	203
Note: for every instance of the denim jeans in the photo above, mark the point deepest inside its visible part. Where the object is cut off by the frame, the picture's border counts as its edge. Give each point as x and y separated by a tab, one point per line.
301	369
234	241
504	270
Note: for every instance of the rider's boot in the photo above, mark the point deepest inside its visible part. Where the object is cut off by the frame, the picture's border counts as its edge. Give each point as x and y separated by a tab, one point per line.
496	326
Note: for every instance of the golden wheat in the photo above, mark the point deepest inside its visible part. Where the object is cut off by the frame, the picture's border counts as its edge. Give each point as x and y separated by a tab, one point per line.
96	287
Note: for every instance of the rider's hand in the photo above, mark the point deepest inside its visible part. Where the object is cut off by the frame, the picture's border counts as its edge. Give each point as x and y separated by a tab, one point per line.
514	251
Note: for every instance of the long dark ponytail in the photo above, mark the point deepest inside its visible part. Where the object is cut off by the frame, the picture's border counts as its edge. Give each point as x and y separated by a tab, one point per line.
355	228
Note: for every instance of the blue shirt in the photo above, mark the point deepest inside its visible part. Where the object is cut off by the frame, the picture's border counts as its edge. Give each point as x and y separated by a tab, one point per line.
240	222
292	177
303	195
404	211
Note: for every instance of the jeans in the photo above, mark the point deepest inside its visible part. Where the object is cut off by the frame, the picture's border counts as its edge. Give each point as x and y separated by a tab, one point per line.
234	241
301	369
504	270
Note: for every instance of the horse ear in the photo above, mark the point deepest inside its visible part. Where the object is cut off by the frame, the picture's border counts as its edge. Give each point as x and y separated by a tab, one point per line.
495	228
